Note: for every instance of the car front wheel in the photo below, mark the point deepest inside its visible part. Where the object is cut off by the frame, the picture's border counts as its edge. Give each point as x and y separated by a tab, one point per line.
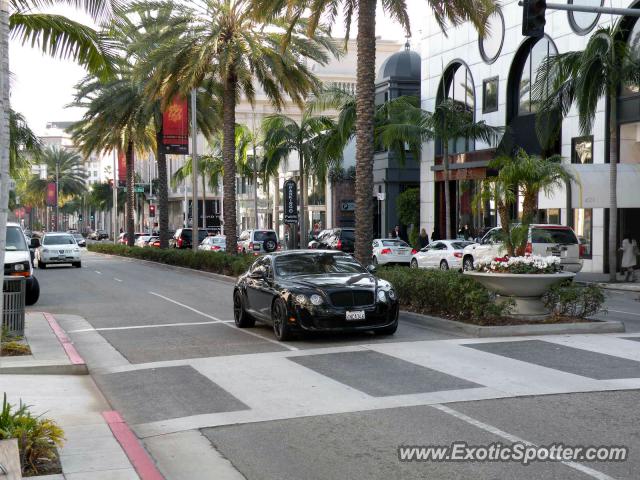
467	264
41	264
444	265
240	315
280	318
414	263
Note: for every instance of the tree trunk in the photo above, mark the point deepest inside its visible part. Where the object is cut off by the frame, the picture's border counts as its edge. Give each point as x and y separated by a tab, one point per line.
204	199
276	203
613	187
365	110
4	128
131	198
229	161
163	193
447	194
303	202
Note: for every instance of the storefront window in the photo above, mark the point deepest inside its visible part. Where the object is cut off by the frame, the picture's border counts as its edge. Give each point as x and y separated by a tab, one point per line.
582	150
583	226
490	95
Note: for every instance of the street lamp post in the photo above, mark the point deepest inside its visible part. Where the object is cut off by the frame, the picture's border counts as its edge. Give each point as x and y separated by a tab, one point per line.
194	172
57	194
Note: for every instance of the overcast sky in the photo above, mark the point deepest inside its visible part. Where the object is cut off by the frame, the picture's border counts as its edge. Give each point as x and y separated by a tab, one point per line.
42	87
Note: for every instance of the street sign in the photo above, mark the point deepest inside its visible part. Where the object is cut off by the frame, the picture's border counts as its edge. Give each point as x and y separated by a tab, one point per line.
290	202
135	189
348	206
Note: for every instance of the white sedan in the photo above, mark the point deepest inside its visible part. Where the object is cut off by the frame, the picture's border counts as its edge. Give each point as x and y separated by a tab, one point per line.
58	248
442	254
391	250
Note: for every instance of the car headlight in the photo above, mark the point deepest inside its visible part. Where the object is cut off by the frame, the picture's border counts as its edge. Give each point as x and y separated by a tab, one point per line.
19	267
300	299
382	296
392	294
316	299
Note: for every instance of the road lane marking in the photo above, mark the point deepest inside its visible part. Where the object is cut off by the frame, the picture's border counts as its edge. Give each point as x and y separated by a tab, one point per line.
136	327
186	306
513	439
621	311
99	273
117	279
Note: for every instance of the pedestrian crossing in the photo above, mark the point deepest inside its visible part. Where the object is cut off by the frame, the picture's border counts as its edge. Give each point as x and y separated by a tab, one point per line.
281	385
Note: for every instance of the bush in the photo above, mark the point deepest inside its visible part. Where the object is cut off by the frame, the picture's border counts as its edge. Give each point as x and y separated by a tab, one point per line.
37	437
568	299
215	262
444	293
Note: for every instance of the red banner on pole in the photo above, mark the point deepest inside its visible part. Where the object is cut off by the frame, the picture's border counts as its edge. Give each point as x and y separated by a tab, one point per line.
122	169
175	127
52	200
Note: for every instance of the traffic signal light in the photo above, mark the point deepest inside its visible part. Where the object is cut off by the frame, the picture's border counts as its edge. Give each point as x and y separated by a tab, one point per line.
152	210
533	20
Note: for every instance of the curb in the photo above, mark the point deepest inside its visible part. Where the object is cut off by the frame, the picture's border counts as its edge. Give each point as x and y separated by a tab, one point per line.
479	331
137	455
215	276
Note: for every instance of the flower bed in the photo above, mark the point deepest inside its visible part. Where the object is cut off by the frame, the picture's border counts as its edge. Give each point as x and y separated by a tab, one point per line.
531	264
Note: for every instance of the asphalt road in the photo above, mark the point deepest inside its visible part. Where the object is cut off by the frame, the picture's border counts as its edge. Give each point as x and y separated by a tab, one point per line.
162	347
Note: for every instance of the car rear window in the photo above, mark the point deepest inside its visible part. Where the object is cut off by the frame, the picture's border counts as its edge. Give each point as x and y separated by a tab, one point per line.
348	235
460	245
563	236
394	243
264	235
58	240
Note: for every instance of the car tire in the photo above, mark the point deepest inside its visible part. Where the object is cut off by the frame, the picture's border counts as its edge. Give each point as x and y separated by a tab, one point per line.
444	265
77	264
414	263
41	264
270	246
240	315
374	261
279	317
390	330
467	264
33	294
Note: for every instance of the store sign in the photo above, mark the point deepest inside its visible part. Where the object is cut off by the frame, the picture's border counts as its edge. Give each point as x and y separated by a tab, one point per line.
52	199
290	202
175	127
348	206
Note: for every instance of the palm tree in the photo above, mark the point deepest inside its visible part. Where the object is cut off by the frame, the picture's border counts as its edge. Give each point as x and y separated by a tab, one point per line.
446	12
23	142
284	135
223	41
582	78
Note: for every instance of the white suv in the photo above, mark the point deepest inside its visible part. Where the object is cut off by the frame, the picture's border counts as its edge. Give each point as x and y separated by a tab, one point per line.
258	241
58	248
545	240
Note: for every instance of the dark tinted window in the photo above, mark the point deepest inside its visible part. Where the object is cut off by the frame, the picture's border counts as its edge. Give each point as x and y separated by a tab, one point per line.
264	235
460	245
394	243
188	235
348	235
316	264
553	235
58	240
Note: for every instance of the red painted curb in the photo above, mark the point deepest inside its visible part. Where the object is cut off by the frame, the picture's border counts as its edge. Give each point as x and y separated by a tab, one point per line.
70	350
142	462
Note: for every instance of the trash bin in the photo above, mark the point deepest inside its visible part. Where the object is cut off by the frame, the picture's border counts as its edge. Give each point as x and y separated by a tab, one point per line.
13	295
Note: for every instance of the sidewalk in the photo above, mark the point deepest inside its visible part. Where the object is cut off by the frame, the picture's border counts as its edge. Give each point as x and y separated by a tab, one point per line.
602	279
54	382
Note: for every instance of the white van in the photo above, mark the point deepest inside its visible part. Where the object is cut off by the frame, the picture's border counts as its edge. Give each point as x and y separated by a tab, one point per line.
18	261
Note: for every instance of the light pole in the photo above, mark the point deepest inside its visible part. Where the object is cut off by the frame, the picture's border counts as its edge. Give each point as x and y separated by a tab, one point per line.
57	193
115	197
194	172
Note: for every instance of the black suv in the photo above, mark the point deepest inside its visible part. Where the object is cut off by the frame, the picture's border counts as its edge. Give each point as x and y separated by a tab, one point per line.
342	239
183	237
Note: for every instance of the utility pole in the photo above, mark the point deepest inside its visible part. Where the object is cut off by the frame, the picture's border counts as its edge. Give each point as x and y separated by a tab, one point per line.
194	172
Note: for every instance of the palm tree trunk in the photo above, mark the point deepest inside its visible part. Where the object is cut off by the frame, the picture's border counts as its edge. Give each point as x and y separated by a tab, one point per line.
613	186
163	193
303	202
229	161
204	198
4	127
365	109
447	194
130	195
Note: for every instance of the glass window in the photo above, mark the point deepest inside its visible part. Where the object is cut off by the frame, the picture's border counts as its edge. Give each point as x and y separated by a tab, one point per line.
582	150
553	235
490	95
491	45
15	240
583	22
460	88
540	50
394	243
316	264
583	226
58	240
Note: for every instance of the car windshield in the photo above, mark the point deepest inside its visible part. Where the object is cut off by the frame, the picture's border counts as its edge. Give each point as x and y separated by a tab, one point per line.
78	236
58	240
563	236
316	264
394	243
264	235
15	240
460	245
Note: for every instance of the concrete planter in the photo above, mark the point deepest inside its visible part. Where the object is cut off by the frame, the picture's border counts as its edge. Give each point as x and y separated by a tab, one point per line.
525	289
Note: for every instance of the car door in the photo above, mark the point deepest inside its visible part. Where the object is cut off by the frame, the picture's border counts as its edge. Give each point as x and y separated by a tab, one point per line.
435	254
258	286
488	247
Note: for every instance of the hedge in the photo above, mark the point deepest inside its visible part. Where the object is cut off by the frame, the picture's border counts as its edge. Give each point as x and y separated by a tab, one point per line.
215	262
445	294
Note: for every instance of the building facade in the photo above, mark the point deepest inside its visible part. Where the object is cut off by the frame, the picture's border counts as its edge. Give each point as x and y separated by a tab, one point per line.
493	78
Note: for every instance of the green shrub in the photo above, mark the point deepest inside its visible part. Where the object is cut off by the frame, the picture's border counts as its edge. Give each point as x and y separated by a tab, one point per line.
215	262
568	299
444	293
37	437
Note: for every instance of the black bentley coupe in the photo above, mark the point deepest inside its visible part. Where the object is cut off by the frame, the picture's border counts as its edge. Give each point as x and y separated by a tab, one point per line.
314	290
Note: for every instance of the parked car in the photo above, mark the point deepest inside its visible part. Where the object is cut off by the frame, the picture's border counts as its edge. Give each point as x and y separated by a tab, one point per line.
58	248
343	239
442	254
183	236
391	250
545	240
122	239
216	243
312	291
98	235
154	241
318	239
18	260
258	241
142	240
80	240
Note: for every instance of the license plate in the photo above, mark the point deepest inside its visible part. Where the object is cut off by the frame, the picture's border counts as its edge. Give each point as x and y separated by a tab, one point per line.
357	315
256	248
402	251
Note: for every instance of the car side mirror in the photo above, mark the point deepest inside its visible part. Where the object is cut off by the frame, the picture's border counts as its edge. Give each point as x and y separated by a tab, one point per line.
258	275
34	243
371	269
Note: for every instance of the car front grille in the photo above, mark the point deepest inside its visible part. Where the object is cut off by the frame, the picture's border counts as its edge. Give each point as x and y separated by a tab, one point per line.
352	298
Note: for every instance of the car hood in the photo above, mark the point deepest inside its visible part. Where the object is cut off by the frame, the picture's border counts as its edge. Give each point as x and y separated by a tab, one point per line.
360	280
15	256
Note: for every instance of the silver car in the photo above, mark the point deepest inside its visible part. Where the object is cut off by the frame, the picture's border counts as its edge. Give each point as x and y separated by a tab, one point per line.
212	243
57	248
258	241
